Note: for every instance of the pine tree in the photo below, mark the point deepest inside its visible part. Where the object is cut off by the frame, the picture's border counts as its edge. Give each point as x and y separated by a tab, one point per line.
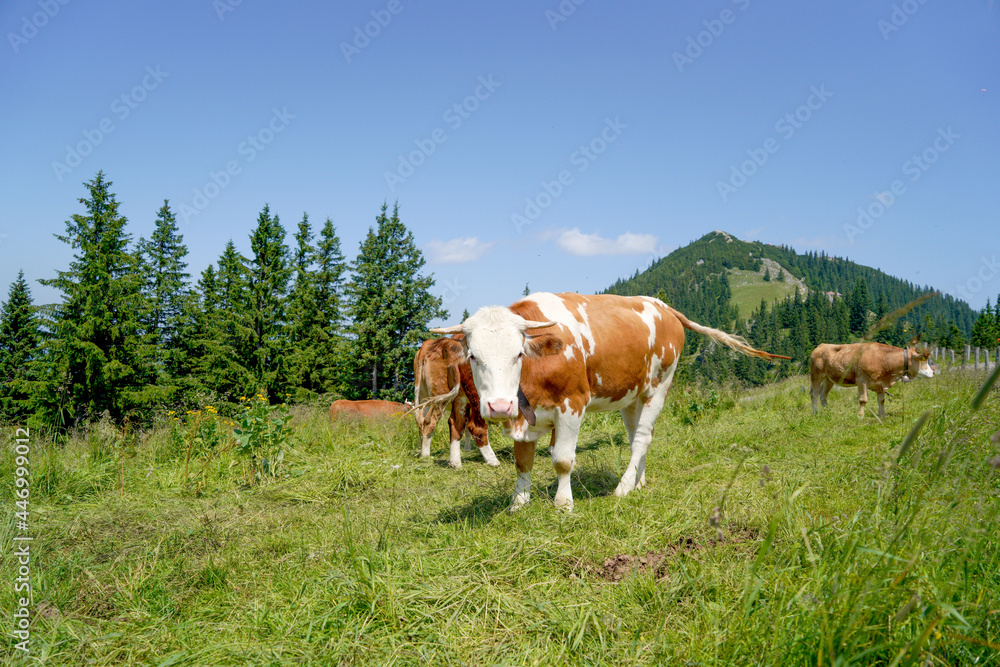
330	346
269	271
859	303
391	305
19	347
983	328
221	329
98	359
165	290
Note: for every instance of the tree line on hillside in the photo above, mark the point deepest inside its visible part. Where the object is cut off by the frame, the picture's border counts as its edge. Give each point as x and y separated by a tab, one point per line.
842	304
133	333
686	276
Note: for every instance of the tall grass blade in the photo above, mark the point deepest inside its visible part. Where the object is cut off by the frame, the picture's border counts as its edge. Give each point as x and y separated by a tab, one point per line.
980	396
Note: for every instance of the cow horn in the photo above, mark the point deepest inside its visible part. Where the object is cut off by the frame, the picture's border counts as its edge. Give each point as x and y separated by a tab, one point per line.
455	328
532	324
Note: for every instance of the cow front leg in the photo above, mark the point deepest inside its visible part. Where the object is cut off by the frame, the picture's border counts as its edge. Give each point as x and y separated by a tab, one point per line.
564	457
862	398
881	404
524	461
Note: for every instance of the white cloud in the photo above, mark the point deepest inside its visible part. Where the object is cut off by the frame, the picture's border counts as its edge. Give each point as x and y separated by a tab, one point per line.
457	251
576	242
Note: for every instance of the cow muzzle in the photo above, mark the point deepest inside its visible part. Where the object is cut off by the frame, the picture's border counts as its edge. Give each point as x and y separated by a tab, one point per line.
500	408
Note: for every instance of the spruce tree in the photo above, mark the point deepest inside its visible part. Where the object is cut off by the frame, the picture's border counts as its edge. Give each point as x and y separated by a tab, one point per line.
165	290
19	347
325	336
268	272
391	305
98	359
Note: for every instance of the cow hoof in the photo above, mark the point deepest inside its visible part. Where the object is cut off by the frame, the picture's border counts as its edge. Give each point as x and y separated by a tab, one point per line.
455	464
495	463
518	501
564	504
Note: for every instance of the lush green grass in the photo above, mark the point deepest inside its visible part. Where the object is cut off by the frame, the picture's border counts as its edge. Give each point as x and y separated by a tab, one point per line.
749	287
839	544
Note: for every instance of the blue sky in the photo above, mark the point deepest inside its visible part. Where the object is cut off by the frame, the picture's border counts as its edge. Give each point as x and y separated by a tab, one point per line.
559	145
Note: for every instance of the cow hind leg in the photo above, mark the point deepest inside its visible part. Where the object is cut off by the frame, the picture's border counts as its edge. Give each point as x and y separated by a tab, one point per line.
881	403
816	391
644	414
630	416
827	386
862	398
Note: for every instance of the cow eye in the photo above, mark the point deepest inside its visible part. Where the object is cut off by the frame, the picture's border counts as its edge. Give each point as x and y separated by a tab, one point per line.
472	359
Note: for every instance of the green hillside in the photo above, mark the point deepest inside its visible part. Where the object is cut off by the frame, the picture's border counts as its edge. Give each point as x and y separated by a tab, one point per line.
687	274
804	300
749	288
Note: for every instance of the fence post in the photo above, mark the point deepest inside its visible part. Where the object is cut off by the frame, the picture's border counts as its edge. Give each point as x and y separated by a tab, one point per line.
952	357
977	359
965	355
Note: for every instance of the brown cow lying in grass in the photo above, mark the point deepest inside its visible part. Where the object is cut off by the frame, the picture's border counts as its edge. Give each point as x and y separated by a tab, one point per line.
864	365
367	409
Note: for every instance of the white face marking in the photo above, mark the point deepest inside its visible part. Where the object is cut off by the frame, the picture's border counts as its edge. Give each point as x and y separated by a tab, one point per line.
495	340
925	370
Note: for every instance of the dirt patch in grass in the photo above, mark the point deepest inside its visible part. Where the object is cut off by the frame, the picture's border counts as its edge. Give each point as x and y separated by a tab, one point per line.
617	568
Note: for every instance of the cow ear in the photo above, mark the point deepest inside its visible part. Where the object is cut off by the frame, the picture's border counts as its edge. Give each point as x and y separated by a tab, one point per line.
455	328
914	341
542	346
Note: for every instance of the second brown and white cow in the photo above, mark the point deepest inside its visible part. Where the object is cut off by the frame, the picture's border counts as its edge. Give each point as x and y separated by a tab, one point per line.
572	354
864	365
441	375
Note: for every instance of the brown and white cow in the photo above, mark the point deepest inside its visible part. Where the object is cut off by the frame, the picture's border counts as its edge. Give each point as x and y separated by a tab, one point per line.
370	409
441	375
572	354
864	365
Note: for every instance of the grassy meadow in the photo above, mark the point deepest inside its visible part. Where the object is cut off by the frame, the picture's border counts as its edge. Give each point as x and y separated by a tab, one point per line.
766	535
749	288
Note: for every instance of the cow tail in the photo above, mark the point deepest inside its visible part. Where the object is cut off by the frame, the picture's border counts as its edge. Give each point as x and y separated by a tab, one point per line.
729	340
443	399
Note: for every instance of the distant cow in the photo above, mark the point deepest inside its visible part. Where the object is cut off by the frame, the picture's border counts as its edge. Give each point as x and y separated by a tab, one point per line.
569	354
441	376
864	365
367	409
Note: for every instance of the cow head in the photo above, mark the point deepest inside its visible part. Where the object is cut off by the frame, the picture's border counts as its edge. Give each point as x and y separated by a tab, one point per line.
495	343
920	364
